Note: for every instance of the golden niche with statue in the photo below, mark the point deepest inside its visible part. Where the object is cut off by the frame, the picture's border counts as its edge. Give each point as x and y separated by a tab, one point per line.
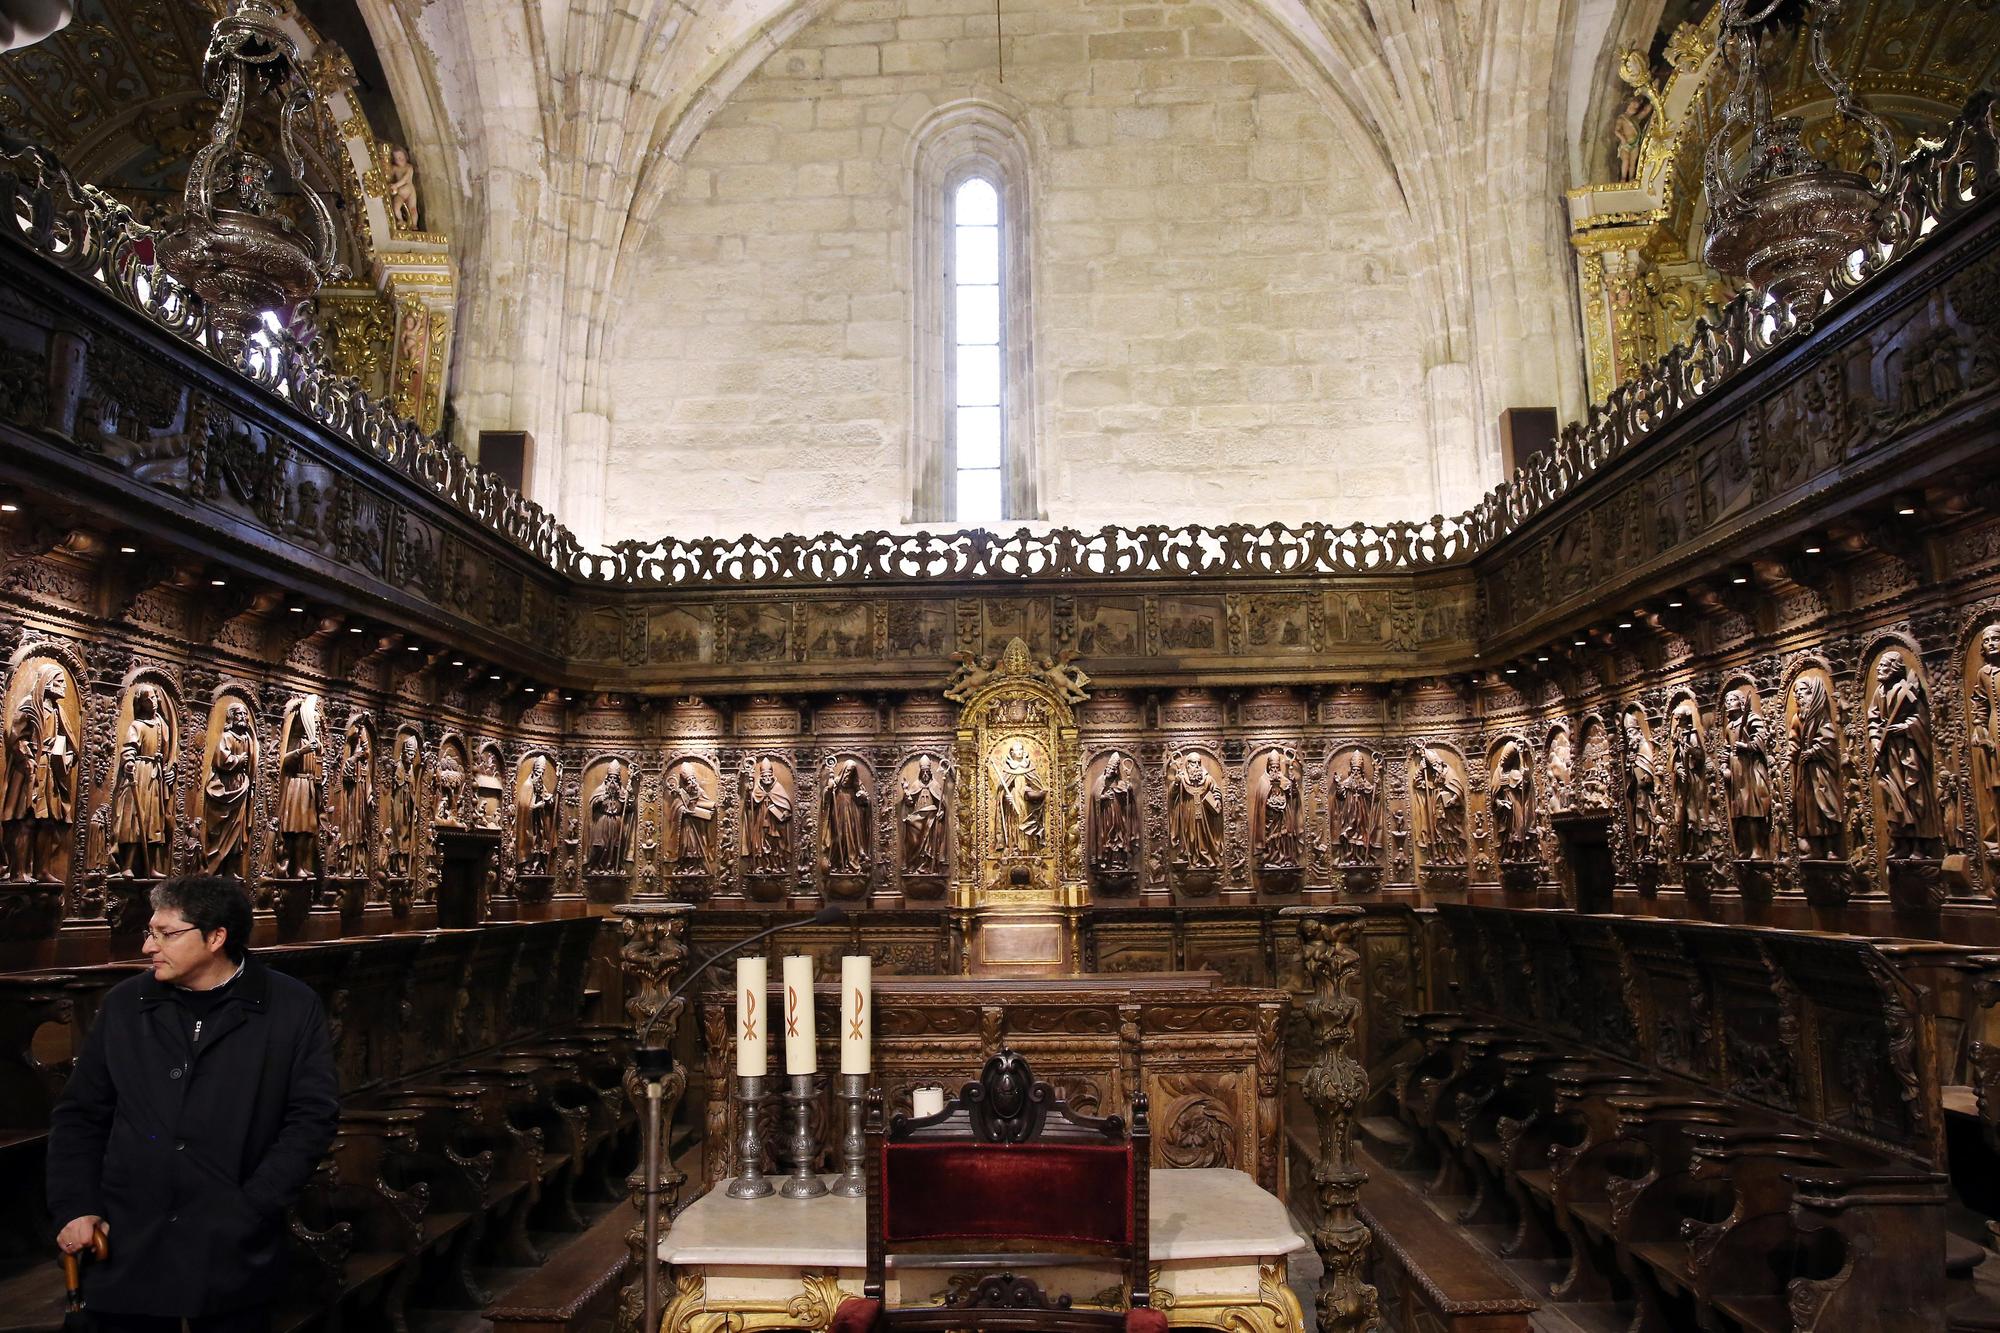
1020	885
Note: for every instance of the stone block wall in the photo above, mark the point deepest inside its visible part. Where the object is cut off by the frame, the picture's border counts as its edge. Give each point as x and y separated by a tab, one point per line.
1222	315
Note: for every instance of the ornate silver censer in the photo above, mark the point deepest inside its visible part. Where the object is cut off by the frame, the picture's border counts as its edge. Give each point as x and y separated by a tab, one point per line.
247	259
1778	217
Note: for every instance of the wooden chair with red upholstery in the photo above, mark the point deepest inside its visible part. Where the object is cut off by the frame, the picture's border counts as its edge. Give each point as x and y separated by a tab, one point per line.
1005	1180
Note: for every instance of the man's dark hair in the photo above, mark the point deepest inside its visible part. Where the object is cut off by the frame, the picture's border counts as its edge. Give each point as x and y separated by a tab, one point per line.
210	903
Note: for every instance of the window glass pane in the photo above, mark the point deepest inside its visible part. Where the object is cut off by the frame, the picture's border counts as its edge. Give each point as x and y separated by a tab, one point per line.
979	497
978	255
978	376
978	204
978	437
978	315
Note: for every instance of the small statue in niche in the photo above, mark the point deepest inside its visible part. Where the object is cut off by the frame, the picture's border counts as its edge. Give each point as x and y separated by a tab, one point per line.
486	789
1818	813
1645	788
1440	806
1513	803
299	771
1628	131
1018	795
1358	815
401	179
766	817
225	814
1278	838
1194	813
690	823
1112	811
357	789
1899	728
447	785
402	820
609	808
924	818
1984	728
535	821
1562	776
38	807
142	819
1749	775
845	810
1691	807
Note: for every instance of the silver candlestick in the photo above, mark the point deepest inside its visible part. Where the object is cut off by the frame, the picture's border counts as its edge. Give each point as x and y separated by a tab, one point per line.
750	1182
853	1184
804	1182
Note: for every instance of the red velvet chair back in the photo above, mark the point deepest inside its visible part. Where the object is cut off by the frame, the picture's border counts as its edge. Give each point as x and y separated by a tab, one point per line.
1007	1173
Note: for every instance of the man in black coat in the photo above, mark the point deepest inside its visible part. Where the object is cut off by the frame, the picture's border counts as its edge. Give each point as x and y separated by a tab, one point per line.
203	1098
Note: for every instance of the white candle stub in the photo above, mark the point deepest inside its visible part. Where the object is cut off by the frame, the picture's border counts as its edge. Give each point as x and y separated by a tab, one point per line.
752	1059
801	1056
926	1101
857	1014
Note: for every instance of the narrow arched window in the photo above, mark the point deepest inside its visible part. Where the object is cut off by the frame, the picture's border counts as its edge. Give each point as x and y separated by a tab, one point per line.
977	427
972	448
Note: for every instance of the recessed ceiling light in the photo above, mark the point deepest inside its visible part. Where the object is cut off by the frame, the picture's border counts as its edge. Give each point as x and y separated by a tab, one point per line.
1907	511
128	550
1510	671
529	688
415	649
297	610
9	507
218	583
354	629
1812	550
1675	606
1582	643
1741	578
458	661
1624	624
493	678
1542	658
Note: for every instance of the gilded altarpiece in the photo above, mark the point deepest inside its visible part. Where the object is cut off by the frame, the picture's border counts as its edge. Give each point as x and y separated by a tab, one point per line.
1020	863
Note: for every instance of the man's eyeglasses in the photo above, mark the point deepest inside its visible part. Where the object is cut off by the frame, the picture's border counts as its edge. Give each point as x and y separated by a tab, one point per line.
160	937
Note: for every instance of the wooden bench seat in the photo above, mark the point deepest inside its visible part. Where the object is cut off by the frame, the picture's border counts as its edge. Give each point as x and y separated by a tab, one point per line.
1432	1266
574	1287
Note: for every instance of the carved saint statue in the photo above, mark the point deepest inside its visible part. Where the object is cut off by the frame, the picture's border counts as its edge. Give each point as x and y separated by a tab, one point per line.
142	821
924	818
1194	814
610	805
1112	819
1513	802
1984	728
486	789
447	786
225	812
1562	773
401	825
690	823
357	789
767	812
1018	797
535	820
1644	788
1357	824
1818	813
1899	728
1749	776
401	178
299	771
1440	806
38	807
1691	806
845	810
1279	812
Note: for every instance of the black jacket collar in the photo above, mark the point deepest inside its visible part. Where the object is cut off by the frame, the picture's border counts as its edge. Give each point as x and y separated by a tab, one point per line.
252	988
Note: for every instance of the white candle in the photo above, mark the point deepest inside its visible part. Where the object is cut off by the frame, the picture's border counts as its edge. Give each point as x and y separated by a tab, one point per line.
800	1057
857	1014
752	1029
926	1101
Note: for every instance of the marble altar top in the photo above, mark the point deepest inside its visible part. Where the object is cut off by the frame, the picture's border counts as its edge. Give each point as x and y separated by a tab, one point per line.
1203	1213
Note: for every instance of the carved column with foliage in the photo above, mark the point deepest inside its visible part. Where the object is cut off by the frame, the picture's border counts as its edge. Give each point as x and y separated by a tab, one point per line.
650	960
1335	1087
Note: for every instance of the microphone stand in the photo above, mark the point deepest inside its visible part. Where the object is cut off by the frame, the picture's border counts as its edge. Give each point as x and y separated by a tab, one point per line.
656	1065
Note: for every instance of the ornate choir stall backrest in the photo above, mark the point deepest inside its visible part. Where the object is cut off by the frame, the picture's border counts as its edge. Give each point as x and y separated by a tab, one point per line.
301	766
610	815
489	789
1197	825
1020	860
1277	816
1511	798
353	797
537	786
846	826
923	824
1439	817
689	815
1112	839
767	789
44	751
448	784
1982	723
1354	815
1902	768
